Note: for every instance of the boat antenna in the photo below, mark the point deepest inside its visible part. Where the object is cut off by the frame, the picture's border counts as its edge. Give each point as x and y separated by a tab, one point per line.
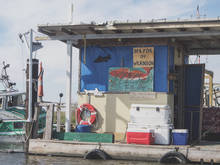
198	15
197	12
71	12
20	36
5	78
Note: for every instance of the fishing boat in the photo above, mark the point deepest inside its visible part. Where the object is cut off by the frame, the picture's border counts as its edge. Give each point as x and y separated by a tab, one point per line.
13	112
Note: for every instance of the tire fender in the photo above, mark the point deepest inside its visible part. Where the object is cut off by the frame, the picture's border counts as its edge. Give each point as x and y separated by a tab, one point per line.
173	157
97	154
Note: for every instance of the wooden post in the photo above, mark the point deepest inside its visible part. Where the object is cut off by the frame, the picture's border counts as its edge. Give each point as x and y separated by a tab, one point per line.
34	85
58	118
49	122
28	127
35	122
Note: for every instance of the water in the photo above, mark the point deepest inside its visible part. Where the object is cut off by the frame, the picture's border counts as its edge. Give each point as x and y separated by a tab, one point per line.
9	157
23	159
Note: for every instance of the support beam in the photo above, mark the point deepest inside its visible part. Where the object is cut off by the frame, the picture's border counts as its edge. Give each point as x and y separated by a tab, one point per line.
159	30
203	51
95	31
200	43
137	31
49	33
205	28
117	31
67	31
68	87
138	35
182	29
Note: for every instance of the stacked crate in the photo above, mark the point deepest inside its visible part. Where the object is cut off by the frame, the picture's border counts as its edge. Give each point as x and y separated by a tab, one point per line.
155	120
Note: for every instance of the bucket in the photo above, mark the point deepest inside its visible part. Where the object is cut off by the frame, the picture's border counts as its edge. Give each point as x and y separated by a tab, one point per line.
83	128
180	136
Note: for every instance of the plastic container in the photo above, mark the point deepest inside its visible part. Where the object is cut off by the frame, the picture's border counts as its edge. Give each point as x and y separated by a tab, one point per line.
161	132
150	114
180	136
140	136
83	128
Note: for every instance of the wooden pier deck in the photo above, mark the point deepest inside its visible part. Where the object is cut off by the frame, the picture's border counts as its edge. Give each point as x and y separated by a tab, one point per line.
204	152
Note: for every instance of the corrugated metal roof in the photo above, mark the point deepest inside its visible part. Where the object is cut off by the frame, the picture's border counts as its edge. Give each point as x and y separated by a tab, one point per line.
197	36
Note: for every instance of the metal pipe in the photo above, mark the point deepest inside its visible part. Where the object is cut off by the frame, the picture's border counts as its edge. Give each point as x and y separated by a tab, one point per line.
30	79
68	87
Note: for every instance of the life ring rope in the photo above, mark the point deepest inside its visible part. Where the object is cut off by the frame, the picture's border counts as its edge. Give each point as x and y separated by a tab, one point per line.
92	111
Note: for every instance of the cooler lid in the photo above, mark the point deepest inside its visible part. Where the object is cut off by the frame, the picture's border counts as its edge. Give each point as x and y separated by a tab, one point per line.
150	106
149	126
180	130
145	130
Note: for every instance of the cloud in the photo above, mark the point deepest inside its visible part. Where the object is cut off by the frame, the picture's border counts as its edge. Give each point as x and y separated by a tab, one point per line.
134	10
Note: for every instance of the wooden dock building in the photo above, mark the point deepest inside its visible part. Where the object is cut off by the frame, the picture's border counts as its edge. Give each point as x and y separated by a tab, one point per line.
164	46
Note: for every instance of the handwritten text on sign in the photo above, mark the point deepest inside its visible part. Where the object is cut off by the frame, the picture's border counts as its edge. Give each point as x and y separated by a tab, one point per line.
143	57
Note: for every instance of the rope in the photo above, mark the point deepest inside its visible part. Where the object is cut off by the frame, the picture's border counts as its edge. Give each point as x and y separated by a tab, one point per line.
28	137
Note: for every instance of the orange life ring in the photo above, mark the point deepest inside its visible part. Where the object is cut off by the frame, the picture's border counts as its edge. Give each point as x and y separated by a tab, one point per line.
92	111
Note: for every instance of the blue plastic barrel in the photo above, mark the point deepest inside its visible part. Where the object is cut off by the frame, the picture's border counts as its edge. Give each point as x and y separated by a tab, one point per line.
83	128
180	136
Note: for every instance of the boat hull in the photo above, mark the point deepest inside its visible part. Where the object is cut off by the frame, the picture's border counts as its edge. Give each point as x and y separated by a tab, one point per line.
12	138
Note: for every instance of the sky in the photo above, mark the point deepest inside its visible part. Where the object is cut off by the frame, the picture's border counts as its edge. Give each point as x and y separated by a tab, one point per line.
18	16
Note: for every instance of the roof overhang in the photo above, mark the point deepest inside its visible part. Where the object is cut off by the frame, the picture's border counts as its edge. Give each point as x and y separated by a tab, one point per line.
196	36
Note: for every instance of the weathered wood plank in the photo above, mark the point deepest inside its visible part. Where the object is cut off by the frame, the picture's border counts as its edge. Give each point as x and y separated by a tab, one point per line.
58	119
123	151
35	120
49	122
116	151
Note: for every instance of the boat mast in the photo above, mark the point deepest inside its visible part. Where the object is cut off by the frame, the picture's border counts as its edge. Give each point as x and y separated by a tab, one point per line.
30	79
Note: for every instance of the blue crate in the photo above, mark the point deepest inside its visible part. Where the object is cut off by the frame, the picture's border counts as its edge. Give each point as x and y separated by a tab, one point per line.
83	128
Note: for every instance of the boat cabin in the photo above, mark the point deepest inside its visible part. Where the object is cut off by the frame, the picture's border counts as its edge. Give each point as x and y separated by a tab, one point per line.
9	101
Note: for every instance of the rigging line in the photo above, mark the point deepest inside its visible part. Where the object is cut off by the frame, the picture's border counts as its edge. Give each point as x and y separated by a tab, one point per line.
38	33
206	60
190	60
196	59
23	66
26	41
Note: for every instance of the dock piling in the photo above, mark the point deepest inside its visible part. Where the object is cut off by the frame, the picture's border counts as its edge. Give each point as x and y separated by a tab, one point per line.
35	121
49	122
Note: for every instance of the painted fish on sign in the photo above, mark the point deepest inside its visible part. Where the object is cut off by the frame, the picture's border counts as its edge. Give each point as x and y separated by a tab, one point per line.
131	79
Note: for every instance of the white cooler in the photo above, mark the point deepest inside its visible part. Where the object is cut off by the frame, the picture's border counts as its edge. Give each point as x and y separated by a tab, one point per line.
150	114
161	132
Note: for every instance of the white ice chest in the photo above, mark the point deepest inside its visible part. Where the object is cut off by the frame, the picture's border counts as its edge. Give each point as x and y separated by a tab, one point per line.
161	132
150	114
